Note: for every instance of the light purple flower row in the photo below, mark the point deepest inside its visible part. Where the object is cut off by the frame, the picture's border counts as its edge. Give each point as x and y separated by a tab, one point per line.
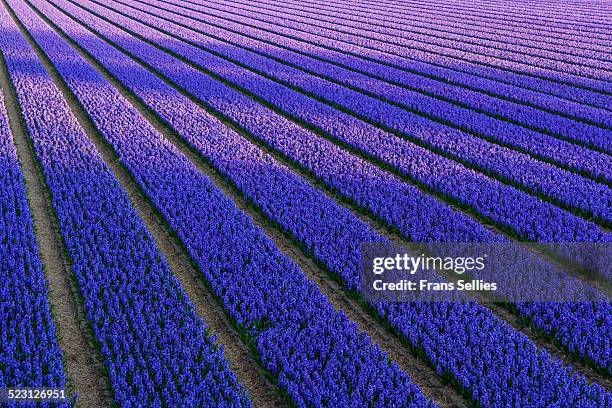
221	31
544	9
467	23
430	41
152	343
478	14
576	15
436	28
498	37
550	15
424	34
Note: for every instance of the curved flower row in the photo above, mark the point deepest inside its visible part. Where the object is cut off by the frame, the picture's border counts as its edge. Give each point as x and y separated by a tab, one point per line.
532	219
290	72
499	65
328	232
569	189
525	87
29	353
420	90
153	345
317	355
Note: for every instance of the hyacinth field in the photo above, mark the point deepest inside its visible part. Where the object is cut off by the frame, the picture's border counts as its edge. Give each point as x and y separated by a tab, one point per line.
186	187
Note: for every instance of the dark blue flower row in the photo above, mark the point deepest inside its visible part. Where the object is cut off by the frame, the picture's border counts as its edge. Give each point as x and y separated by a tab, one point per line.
29	353
317	355
154	346
330	233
